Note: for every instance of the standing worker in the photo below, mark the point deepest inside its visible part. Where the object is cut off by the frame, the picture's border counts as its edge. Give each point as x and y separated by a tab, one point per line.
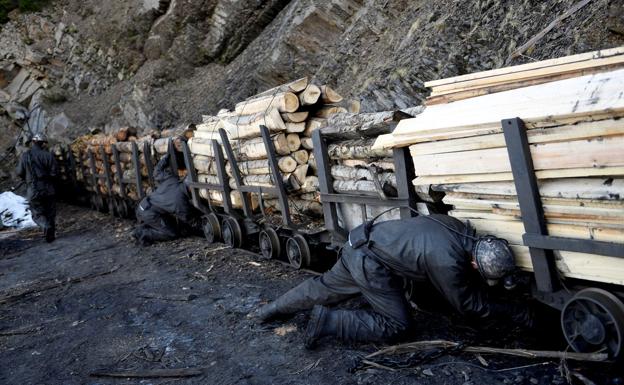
373	263
167	212
38	168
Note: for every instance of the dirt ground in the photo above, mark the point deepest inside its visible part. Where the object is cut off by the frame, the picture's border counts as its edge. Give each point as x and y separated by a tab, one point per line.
93	301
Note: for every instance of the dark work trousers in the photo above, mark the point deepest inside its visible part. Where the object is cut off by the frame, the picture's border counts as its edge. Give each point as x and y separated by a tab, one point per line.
355	273
154	226
43	210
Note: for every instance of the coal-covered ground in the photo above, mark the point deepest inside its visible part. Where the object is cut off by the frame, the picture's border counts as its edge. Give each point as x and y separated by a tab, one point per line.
94	301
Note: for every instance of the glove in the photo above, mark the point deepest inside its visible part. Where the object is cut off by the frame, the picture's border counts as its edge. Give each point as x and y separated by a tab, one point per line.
522	315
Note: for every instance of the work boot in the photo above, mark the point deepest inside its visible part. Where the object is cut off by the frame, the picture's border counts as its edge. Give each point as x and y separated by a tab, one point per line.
49	233
316	326
266	313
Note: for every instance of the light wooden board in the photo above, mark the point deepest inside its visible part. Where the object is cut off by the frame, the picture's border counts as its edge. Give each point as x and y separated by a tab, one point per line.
506	176
578	265
488	215
529	75
577	131
512	231
572	188
529	66
570	98
597	153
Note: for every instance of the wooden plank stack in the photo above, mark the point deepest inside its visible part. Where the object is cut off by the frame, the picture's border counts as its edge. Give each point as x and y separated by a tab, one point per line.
291	112
576	138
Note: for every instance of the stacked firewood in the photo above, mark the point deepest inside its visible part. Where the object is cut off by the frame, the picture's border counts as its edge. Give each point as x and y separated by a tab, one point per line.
61	161
575	137
291	112
101	146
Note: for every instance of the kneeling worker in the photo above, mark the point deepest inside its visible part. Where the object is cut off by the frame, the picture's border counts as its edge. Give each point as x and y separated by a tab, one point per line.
167	212
373	263
38	168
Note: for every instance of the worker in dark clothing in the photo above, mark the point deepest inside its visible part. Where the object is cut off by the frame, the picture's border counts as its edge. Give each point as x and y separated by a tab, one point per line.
373	263
167	212
38	168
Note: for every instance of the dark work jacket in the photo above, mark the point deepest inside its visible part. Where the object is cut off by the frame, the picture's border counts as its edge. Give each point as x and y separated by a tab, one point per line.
419	248
171	196
39	169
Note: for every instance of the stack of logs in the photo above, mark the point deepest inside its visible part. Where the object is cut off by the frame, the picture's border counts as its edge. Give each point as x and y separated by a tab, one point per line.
575	134
358	169
291	112
123	140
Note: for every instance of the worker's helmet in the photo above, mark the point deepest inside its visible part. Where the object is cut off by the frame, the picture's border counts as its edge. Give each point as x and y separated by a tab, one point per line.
39	138
494	258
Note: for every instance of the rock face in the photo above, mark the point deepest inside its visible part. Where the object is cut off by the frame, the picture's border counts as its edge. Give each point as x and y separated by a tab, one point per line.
156	63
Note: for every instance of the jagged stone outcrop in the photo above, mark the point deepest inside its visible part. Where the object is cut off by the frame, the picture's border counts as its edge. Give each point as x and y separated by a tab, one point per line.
155	63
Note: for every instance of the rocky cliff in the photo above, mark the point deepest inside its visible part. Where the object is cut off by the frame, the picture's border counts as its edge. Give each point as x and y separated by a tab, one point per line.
79	65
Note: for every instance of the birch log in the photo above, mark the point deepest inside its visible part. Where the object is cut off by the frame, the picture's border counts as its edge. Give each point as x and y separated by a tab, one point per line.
254	148
284	102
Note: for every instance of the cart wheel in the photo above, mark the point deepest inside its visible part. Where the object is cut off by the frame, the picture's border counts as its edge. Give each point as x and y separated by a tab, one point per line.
593	320
232	233
211	228
269	243
298	251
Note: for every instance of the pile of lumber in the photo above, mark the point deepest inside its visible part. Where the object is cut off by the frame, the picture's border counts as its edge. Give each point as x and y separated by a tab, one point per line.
291	112
576	138
489	82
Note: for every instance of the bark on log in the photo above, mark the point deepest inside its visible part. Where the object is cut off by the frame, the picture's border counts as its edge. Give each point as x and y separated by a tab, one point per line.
384	164
354	126
363	187
254	148
284	102
248	126
310	95
286	164
208	179
352	173
299	206
357	149
290	182
201	147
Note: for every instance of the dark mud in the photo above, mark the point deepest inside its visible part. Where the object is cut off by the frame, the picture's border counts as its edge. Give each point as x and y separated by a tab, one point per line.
94	301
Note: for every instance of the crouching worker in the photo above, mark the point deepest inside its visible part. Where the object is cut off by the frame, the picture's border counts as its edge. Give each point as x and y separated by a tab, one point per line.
38	168
373	263
167	213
